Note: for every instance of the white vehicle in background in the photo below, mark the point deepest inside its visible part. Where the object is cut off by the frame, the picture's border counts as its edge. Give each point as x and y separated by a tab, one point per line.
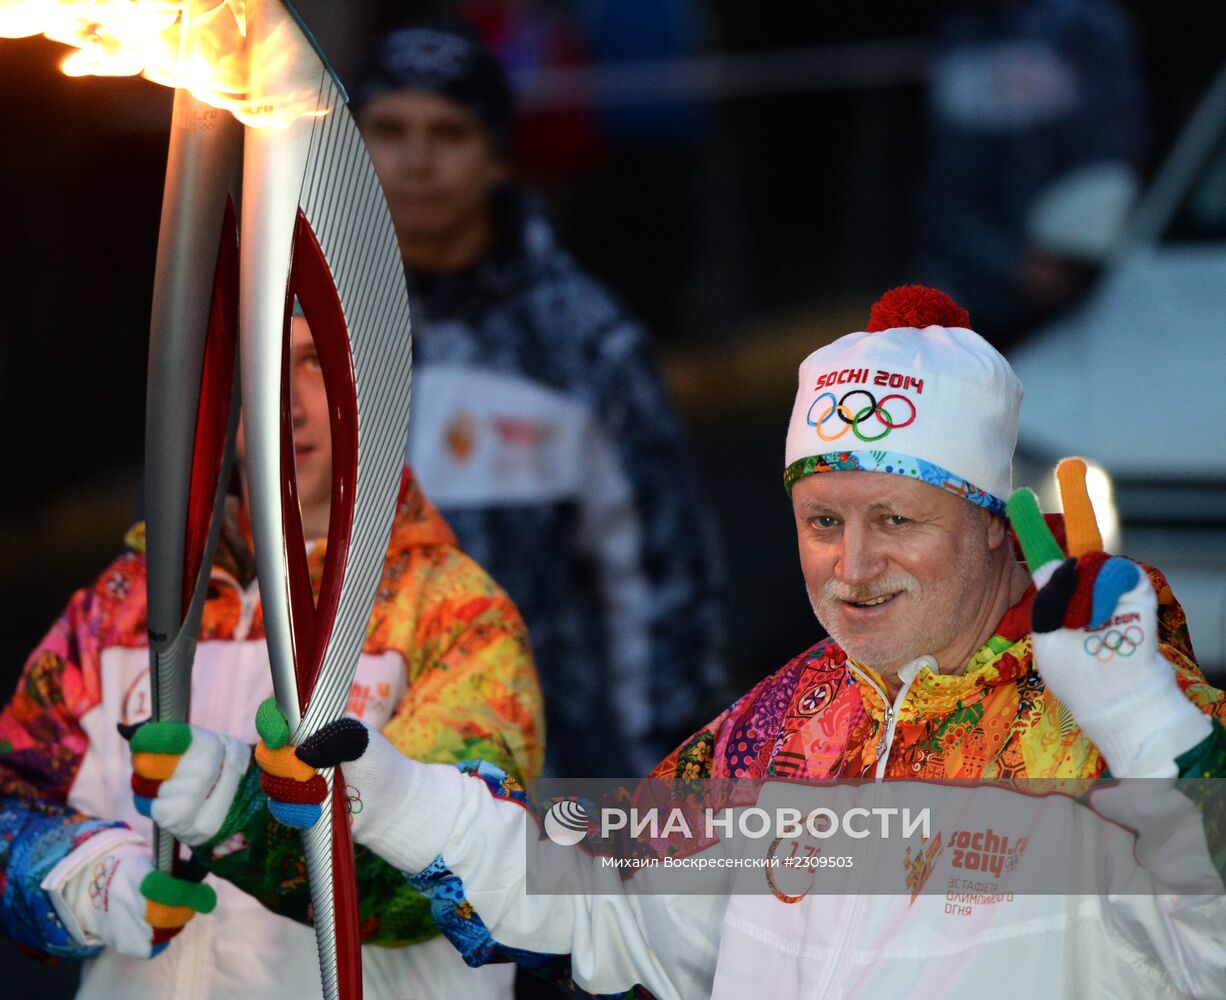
1134	380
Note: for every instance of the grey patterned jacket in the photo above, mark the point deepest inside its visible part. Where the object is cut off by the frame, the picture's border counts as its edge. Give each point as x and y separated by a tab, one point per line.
543	432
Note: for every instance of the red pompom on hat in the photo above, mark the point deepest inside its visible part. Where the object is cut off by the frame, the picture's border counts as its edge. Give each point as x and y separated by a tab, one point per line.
916	306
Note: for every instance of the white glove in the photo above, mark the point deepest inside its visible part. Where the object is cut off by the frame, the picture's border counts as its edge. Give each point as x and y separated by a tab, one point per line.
1109	672
1095	640
184	777
117	899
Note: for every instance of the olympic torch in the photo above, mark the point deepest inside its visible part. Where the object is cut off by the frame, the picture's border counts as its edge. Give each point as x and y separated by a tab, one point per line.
316	229
191	397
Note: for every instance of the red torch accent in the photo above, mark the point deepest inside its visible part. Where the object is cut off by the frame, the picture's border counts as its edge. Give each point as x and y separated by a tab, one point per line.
213	406
311	283
345	896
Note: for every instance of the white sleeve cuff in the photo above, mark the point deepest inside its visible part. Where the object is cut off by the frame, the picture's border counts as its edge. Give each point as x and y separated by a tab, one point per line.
1142	737
418	827
67	884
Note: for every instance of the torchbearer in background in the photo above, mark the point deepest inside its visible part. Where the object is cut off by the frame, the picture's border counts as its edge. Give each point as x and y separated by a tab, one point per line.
948	660
541	425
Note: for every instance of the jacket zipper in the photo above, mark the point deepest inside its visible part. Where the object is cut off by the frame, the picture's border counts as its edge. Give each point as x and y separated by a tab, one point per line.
885	740
855	919
249	599
249	596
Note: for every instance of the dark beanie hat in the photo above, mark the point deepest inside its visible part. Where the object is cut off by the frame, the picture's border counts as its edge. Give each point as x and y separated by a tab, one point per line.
443	57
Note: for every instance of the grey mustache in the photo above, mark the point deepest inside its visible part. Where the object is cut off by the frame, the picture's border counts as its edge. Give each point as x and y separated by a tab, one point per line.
834	590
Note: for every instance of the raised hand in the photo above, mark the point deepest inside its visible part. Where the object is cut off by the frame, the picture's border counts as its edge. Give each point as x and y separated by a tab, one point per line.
1095	638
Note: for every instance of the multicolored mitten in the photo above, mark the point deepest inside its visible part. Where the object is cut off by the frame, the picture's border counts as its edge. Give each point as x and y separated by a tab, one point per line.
120	900
295	790
1095	638
184	777
387	791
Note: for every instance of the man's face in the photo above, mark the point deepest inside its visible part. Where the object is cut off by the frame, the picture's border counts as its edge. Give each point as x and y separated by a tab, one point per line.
894	568
435	161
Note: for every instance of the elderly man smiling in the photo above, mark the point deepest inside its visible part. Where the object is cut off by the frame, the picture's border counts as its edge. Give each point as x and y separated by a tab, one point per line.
944	665
896	570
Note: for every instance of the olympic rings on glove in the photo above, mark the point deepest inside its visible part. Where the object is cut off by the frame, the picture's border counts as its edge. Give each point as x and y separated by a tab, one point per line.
102	873
853	418
1114	643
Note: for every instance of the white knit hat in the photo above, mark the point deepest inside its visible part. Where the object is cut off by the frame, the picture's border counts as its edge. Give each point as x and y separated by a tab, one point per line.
919	395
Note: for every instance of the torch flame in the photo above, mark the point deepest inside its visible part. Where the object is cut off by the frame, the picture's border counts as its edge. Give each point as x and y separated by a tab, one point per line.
198	45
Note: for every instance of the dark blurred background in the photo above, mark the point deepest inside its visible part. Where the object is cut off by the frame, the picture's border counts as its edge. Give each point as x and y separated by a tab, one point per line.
746	176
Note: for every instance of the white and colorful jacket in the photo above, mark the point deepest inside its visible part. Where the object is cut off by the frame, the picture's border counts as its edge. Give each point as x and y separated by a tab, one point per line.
1153	927
445	673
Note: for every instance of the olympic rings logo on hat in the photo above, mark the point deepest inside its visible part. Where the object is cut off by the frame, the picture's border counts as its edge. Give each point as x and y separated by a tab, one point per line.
1104	648
853	418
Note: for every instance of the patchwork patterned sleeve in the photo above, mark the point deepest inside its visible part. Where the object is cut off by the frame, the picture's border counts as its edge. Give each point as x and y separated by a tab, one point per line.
716	750
1173	637
473	692
41	748
695	757
1175	644
656	552
472	696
